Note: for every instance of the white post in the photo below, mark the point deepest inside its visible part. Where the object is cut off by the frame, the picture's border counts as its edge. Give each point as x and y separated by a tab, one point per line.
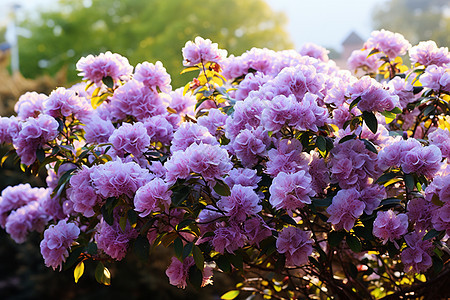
11	38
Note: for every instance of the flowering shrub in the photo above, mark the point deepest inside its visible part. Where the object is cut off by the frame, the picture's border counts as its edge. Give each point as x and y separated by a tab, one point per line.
302	178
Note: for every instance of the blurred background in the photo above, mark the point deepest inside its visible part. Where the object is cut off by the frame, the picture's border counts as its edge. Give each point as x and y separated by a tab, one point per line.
41	41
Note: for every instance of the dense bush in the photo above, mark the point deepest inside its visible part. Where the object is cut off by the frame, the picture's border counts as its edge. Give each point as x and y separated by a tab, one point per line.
302	179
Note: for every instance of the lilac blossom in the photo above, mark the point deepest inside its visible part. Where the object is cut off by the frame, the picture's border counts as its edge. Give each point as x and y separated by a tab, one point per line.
242	176
202	51
97	130
372	195
359	59
251	82
95	68
419	213
25	219
296	244
313	50
243	202
214	121
390	43
191	133
403	89
319	172
417	256
152	197
256	230
291	190
130	138
64	103
345	209
159	129
178	272
153	76
373	97
57	240
427	53
30	105
436	78
250	145
287	157
389	226
82	193
113	240
229	239
441	139
34	134
182	104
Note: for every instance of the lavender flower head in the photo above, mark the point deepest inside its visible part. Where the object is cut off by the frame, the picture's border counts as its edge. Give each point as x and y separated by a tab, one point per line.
391	44
95	68
389	226
345	209
313	50
202	51
29	105
153	76
242	202
296	244
427	54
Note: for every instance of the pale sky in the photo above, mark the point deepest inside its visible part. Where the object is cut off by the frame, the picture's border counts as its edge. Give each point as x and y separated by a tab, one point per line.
324	22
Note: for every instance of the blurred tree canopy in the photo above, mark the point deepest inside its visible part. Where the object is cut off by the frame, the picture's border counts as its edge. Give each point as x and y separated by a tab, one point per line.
417	20
145	30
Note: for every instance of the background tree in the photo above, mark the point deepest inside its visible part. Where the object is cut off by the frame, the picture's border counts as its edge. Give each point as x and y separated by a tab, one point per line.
145	30
417	20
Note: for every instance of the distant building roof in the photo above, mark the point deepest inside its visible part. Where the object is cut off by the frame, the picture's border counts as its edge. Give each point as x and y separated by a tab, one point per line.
353	39
5	46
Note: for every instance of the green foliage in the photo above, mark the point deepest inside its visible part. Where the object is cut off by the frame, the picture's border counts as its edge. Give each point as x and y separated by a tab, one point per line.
146	30
417	20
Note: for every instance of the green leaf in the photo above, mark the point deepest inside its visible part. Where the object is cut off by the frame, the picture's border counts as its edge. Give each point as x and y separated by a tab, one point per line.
102	274
397	110
370	146
431	234
236	260
371	121
428	110
409	182
390	202
141	247
123	223
187	250
178	248
78	272
223	263
180	194
132	217
389	116
40	154
92	248
195	276
321	143
386	177
189	69
335	238
288	220
347	138
198	257
73	257
436	201
222	188
230	295
108	81
374	51
353	243
438	264
355	102
184	223
322	202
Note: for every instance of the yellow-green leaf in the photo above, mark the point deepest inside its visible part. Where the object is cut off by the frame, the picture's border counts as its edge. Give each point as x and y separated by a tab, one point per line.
78	272
230	295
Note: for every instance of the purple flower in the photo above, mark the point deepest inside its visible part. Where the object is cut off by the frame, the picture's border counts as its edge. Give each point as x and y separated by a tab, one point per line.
202	51
152	197
113	240
427	54
281	111
63	103
419	213
191	133
251	144
251	82
441	139
153	76
392	44
82	194
389	226
359	59
319	172
30	105
213	121
25	219
287	157
178	272
229	239
5	125
403	89
209	161
247	114
137	100
97	130
242	176
116	178
416	258
373	97
372	195
436	78
296	244
57	239
440	214
256	230
95	68
182	104
131	139
243	202
291	191
313	50
34	134
345	209
159	129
